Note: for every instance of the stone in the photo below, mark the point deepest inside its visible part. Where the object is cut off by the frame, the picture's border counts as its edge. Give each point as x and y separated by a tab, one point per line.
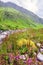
40	56
41	50
38	44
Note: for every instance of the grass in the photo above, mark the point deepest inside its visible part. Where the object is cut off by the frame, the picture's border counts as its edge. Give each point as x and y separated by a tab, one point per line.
20	38
21	42
13	19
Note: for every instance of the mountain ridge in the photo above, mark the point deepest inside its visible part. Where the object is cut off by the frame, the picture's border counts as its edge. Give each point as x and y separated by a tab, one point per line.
29	13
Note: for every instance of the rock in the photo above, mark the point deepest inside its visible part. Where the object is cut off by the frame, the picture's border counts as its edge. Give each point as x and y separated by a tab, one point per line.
40	56
38	44
41	50
6	33
34	53
1	31
2	36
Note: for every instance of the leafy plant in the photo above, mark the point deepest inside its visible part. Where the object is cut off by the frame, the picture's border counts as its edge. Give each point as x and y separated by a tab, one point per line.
23	49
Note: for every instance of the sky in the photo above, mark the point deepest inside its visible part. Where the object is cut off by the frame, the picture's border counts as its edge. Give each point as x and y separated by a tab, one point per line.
35	6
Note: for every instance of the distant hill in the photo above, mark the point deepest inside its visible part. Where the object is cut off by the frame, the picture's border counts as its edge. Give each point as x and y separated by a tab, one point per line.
30	14
16	17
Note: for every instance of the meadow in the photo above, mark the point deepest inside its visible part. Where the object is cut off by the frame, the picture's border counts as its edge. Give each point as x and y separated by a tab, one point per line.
11	19
20	48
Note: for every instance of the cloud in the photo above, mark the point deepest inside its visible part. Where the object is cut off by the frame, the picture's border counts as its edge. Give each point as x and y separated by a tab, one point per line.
35	6
28	4
40	8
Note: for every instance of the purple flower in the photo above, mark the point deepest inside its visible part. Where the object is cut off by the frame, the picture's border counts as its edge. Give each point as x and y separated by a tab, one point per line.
17	57
29	61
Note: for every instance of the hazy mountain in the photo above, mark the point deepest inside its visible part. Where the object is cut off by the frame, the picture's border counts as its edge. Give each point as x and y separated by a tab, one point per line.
30	14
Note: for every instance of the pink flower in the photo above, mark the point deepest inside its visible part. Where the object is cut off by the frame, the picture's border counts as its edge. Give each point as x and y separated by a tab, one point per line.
17	57
11	57
29	61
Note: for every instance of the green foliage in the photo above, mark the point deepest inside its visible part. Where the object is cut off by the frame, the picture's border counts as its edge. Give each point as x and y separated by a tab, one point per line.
23	49
9	46
6	57
13	19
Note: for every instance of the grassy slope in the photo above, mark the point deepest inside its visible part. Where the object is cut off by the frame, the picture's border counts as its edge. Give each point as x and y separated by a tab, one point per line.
13	19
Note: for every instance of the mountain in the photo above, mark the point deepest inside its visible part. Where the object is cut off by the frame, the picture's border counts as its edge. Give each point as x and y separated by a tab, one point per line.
30	14
13	16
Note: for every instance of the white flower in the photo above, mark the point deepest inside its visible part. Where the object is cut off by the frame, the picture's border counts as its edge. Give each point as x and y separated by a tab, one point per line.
22	57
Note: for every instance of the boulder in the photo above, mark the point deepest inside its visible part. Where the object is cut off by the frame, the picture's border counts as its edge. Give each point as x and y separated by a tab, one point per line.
40	57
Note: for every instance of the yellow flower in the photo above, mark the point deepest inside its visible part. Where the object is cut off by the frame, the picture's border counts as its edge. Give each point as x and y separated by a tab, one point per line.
32	44
22	42
26	42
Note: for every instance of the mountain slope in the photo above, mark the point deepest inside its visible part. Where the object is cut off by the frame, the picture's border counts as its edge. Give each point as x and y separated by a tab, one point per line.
30	14
13	19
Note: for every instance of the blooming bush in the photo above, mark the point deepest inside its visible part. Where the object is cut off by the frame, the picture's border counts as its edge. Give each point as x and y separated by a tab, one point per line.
10	59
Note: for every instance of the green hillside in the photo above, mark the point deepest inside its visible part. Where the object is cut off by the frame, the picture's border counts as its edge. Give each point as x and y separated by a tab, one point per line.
13	19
